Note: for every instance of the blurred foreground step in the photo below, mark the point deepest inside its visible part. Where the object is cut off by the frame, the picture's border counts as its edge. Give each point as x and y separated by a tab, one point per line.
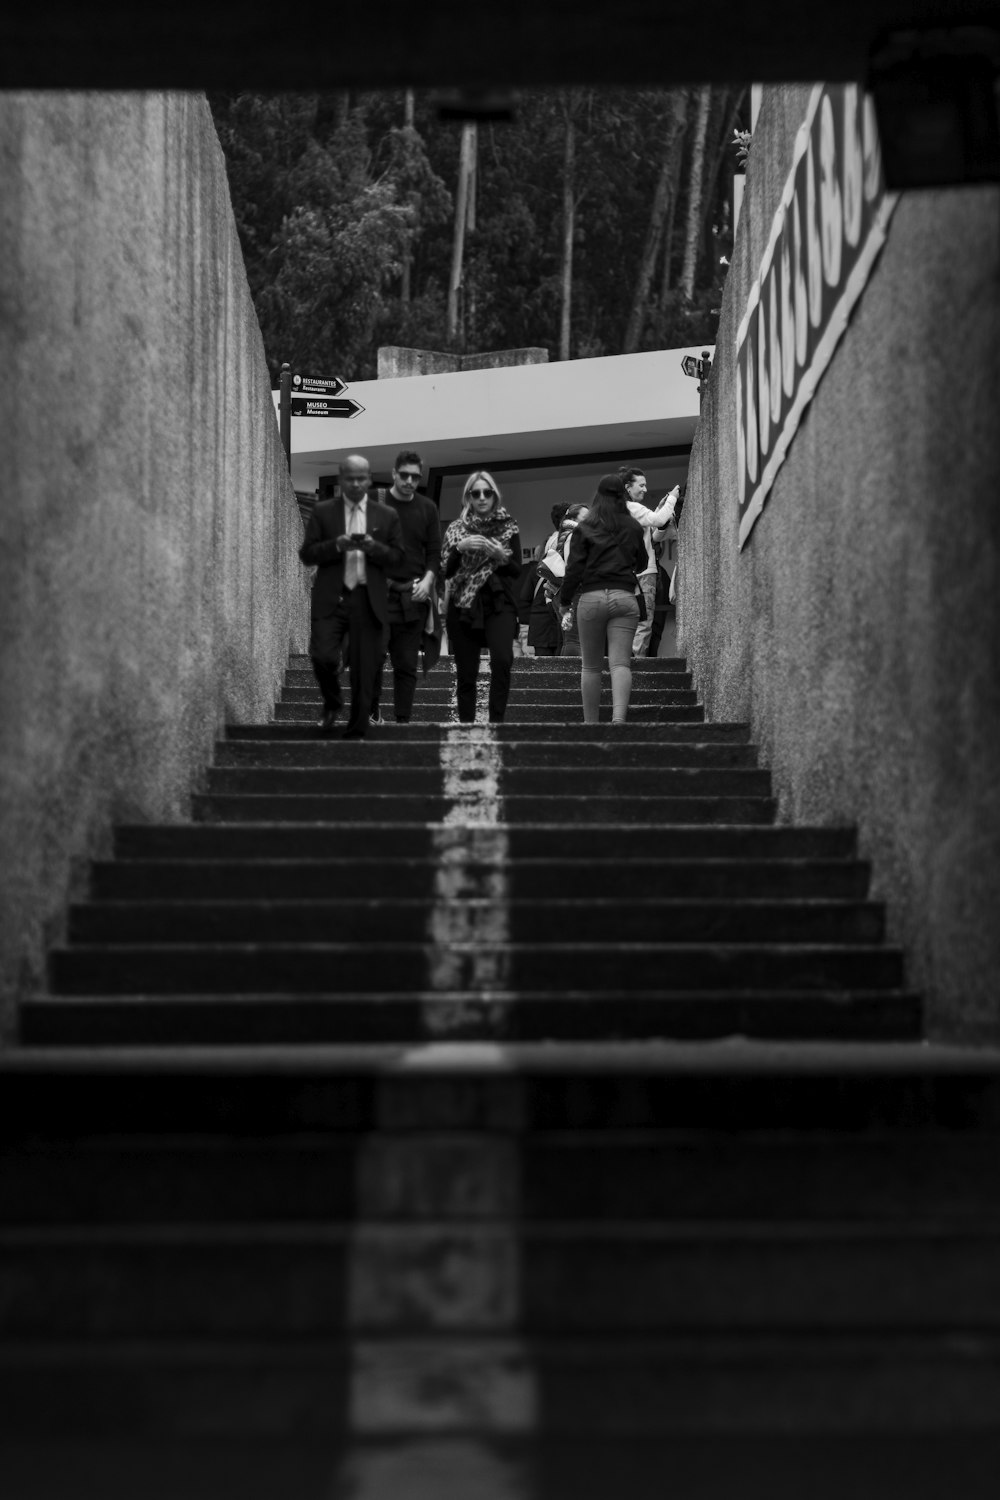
530	920
317	966
688	806
407	1018
373	876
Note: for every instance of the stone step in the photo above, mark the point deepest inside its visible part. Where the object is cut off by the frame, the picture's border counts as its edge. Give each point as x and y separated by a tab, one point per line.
191	879
861	1404
409	1018
540	920
567	841
518	713
303	968
528	665
567	697
389	807
536	680
515	1090
517	755
579	1277
880	1176
589	783
650	733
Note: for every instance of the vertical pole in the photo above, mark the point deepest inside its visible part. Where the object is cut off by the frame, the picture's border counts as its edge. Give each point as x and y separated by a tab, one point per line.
285	413
704	370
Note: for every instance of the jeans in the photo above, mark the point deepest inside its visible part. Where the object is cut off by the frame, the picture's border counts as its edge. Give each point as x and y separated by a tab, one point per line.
647	583
498	634
614	613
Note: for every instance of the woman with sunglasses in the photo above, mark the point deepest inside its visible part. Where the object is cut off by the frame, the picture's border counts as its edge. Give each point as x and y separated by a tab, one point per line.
606	555
481	557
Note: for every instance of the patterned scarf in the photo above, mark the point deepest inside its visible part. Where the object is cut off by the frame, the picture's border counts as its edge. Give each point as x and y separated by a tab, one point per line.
474	570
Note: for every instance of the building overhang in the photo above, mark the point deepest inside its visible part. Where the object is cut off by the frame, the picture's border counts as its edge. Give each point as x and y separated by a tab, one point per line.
627	405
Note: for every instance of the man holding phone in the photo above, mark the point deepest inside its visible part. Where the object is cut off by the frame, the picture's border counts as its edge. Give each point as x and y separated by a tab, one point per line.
351	541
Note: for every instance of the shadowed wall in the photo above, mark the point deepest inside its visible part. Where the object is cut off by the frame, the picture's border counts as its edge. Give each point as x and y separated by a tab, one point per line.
150	588
859	629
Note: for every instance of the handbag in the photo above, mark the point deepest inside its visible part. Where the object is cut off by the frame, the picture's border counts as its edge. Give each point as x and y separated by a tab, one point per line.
552	568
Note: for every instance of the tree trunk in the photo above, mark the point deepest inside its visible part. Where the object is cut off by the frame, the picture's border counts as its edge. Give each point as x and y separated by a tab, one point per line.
465	159
569	225
692	235
405	292
662	195
469	309
729	118
680	118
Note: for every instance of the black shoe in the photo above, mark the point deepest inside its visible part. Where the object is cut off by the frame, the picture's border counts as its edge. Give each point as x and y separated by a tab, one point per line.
401	719
328	722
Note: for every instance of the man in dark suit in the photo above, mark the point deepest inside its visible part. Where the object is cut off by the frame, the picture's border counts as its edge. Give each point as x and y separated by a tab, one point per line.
350	541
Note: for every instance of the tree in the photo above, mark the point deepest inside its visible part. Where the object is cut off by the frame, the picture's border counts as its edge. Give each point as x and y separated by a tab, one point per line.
695	188
352	239
568	228
663	199
464	196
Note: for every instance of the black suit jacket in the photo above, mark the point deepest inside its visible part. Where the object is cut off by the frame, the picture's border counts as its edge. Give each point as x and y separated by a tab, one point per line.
320	550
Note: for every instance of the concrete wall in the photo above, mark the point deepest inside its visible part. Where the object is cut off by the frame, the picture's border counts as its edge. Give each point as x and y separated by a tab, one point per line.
395	362
149	584
859	629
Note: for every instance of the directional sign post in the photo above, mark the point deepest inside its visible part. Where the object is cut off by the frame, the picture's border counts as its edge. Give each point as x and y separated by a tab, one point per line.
309	406
698	369
308	385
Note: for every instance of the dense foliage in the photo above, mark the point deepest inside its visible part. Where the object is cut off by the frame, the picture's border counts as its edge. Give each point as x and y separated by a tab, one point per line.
346	216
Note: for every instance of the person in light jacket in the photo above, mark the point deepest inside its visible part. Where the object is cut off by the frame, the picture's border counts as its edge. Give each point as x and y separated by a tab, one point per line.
634	481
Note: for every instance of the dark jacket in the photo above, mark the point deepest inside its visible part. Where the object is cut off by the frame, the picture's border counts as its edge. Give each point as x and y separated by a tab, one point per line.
421	526
320	550
600	559
498	594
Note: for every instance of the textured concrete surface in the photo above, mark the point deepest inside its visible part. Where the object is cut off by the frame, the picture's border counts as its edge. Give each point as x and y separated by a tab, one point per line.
149	584
859	629
396	362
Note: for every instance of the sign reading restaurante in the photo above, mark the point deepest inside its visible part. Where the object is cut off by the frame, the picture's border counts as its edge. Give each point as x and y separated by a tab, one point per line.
830	225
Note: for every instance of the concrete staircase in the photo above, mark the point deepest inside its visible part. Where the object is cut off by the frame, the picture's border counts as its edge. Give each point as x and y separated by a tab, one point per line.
493	1112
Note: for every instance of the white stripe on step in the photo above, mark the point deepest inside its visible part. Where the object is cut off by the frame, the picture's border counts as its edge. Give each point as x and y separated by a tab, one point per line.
469	927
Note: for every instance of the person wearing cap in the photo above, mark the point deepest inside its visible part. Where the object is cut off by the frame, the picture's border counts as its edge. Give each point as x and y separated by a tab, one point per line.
606	555
634	481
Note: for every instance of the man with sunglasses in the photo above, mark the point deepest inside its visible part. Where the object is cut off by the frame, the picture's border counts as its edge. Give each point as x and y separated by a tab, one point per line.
411	584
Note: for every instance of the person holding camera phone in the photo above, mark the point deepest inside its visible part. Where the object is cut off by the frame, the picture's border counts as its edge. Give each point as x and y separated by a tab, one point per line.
634	481
482	560
351	541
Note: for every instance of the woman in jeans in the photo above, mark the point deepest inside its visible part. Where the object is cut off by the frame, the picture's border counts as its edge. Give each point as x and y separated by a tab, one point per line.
605	555
481	557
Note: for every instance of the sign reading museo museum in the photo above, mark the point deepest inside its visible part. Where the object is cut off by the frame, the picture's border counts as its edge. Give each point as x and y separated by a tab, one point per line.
830	225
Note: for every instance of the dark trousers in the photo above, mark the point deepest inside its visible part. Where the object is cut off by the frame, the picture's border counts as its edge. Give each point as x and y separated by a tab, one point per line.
355	618
497	635
404	653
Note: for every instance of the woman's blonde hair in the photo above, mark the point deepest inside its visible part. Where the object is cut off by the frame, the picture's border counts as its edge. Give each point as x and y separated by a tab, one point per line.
467	510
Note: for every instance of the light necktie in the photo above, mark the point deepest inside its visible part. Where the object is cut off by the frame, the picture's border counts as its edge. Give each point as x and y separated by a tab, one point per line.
352	558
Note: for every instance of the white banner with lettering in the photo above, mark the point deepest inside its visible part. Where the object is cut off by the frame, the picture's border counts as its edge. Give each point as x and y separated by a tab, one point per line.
830	225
